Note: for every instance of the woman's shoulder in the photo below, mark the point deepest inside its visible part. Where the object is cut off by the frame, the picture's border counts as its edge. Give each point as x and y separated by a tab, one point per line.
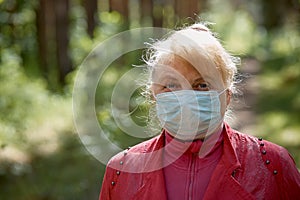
256	151
260	143
144	147
133	158
272	154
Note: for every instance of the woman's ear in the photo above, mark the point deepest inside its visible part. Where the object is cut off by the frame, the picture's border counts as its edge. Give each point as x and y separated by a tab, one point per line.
152	97
152	94
228	96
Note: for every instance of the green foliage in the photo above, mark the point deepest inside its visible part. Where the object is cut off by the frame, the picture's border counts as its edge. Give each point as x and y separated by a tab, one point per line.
18	32
81	44
280	93
38	151
67	174
106	85
41	157
23	99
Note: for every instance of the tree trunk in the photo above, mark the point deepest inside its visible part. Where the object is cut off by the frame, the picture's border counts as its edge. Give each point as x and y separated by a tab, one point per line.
158	14
46	37
120	6
146	11
52	32
91	9
62	41
275	13
186	9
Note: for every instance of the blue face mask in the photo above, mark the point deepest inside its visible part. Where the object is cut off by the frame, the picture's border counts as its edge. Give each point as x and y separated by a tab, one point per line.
186	114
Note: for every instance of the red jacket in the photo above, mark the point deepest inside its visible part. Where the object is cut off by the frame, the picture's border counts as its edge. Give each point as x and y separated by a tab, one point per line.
250	168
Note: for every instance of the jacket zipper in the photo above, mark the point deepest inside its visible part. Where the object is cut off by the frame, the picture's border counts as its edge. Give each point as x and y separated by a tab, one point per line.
192	174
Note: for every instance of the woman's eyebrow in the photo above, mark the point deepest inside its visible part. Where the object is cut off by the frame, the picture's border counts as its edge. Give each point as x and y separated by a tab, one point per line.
200	79
167	77
170	78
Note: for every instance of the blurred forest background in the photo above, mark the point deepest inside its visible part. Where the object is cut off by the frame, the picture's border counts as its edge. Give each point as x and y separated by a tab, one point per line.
43	42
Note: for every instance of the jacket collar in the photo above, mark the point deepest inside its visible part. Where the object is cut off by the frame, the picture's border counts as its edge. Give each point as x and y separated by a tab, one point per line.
222	182
223	185
229	157
155	147
153	186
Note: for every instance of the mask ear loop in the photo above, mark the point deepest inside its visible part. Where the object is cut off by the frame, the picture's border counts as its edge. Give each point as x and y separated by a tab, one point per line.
228	93
220	93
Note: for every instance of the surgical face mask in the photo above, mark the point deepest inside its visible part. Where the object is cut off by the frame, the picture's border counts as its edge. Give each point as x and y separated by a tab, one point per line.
186	114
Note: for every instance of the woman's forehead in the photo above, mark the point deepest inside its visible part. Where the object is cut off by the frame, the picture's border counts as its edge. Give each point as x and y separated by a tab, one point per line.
181	68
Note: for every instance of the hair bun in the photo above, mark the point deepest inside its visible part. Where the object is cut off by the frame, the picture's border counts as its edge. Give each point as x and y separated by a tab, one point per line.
199	27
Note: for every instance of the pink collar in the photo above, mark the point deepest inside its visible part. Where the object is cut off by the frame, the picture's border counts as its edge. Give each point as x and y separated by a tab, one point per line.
204	148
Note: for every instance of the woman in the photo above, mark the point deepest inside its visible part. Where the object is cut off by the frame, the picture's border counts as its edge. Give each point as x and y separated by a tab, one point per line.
198	155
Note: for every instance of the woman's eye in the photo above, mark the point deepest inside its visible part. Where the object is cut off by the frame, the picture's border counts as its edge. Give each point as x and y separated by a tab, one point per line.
171	86
202	86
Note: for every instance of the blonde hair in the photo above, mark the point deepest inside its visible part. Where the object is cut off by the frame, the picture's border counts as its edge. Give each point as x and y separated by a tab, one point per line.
193	43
